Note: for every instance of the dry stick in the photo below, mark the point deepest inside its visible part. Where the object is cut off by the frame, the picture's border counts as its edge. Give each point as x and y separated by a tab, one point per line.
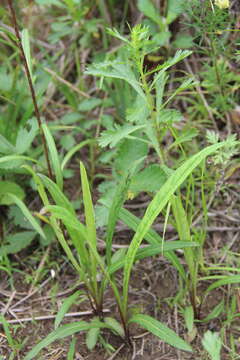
30	83
49	317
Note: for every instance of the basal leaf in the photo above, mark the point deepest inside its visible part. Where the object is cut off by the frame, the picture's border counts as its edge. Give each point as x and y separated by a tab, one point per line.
157	204
61	333
112	137
160	330
67	303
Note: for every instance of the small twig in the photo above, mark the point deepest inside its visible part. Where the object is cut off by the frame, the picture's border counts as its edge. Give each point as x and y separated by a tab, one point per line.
65	82
9	303
49	317
30	83
116	352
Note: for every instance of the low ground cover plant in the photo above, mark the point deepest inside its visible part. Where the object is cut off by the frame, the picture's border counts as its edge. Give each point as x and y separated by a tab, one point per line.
140	134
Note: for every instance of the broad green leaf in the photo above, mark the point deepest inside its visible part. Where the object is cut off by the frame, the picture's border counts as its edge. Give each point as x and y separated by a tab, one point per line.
89	104
149	179
138	112
157	204
27	214
67	303
92	338
175	8
115	325
54	156
12	188
212	344
117	70
160	330
61	333
5	146
129	151
17	242
25	137
112	137
149	10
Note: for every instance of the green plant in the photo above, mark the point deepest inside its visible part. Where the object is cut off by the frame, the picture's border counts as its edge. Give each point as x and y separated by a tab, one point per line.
212	344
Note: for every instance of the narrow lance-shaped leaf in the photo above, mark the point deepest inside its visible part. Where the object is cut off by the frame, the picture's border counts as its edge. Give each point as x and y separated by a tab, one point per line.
160	330
61	333
27	214
155	207
54	156
90	224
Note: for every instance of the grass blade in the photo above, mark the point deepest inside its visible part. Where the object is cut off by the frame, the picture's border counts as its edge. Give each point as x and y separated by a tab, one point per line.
54	156
160	330
90	225
67	303
155	207
62	332
27	214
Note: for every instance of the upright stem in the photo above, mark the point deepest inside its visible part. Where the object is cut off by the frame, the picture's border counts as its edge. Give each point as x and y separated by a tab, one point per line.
30	83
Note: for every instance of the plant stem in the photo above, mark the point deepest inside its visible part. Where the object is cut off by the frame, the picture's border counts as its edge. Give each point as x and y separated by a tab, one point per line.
30	83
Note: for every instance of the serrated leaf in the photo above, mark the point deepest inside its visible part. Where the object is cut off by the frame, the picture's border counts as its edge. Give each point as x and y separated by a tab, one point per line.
117	70
168	117
175	8
17	242
149	10
67	303
149	179
139	111
160	330
112	137
114	32
129	151
10	187
25	137
5	146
